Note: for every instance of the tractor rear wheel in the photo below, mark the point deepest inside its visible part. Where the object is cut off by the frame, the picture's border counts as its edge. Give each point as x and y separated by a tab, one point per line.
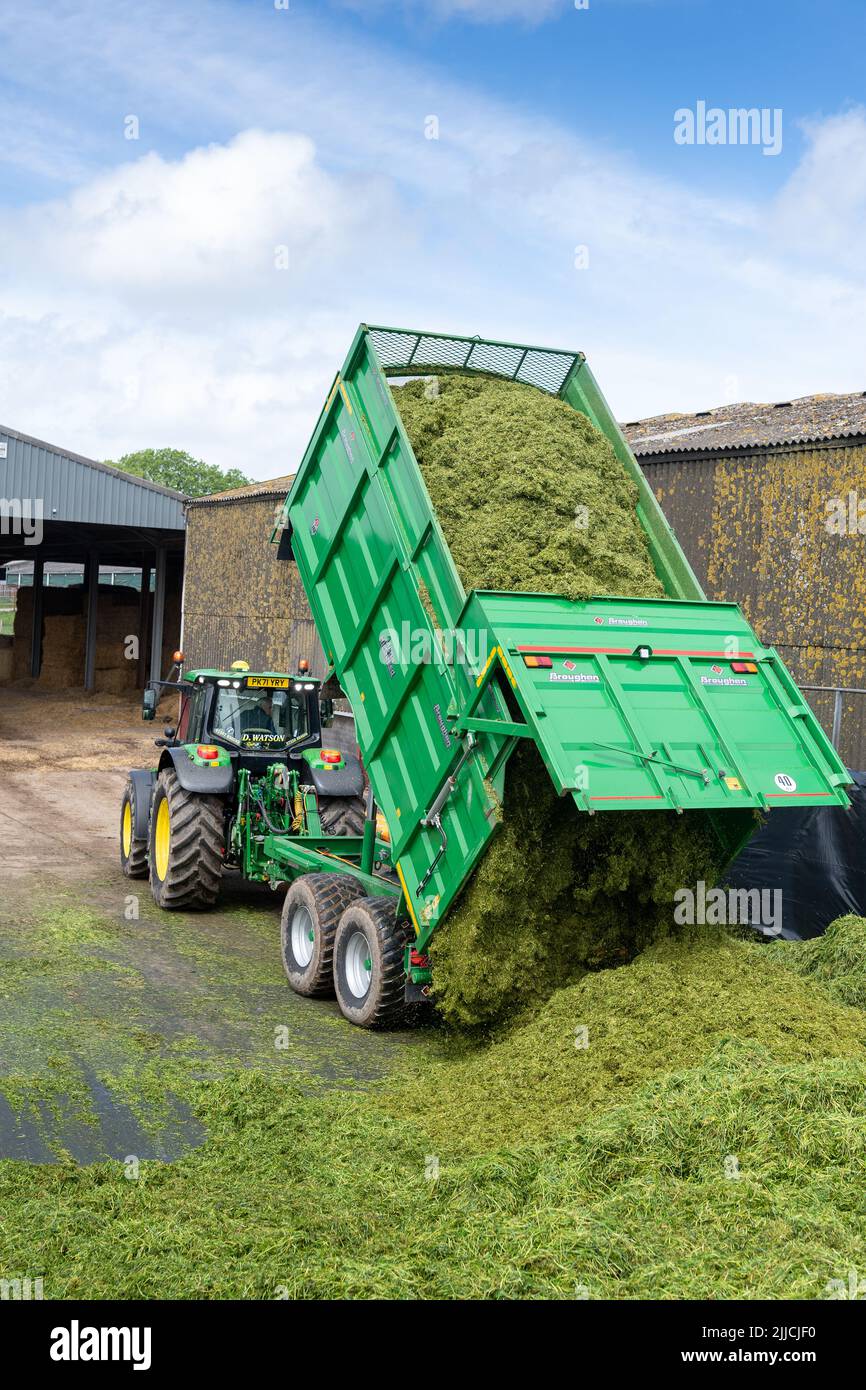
187	845
133	852
342	815
369	973
311	912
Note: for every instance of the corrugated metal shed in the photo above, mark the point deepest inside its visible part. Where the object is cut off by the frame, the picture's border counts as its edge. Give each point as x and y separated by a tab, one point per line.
750	491
750	424
271	487
78	489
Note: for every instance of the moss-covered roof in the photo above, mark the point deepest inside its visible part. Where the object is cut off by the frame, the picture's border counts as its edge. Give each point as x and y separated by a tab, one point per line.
750	424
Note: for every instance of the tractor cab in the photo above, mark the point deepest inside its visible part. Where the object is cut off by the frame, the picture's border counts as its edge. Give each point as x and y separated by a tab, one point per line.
256	718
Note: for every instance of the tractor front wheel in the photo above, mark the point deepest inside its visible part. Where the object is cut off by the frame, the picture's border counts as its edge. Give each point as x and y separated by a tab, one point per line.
369	973
311	912
133	852
187	845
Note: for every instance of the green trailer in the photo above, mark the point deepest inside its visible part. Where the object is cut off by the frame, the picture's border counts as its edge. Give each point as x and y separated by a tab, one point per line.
634	704
669	704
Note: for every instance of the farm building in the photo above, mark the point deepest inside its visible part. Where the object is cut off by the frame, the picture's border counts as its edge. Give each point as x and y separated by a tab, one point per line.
769	504
768	501
240	603
69	527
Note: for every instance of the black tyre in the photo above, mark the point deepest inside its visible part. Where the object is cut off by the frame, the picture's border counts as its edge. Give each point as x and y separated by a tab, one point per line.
133	852
187	845
369	974
342	815
311	912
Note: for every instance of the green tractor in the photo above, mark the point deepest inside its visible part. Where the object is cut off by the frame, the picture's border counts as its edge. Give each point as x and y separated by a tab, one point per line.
244	785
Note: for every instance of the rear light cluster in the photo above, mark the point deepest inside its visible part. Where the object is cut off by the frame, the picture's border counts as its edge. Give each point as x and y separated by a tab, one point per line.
744	667
207	752
538	661
331	755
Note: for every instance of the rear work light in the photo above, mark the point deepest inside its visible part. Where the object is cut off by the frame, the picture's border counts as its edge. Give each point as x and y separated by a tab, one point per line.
538	661
331	755
207	752
744	667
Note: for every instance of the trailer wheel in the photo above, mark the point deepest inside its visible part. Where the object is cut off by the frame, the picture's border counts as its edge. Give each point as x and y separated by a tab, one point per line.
369	974
133	852
342	815
187	845
312	910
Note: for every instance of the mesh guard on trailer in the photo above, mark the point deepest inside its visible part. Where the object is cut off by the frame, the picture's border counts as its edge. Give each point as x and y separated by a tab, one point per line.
403	352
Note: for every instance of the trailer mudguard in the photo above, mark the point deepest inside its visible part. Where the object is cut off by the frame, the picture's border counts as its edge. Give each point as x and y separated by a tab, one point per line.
142	780
208	780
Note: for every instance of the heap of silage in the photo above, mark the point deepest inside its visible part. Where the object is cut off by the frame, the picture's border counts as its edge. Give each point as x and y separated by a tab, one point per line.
837	960
531	497
597	1043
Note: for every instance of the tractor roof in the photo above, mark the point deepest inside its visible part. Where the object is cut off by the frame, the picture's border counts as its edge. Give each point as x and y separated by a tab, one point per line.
246	676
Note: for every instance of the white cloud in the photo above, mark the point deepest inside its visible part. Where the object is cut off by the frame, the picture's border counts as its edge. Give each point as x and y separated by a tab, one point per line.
475	11
217	220
142	306
824	201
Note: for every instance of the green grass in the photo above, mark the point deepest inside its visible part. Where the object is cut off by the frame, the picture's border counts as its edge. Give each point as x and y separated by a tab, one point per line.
709	1142
7	621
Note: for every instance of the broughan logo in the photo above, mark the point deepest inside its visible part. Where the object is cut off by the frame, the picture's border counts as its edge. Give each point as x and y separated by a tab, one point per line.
77	1343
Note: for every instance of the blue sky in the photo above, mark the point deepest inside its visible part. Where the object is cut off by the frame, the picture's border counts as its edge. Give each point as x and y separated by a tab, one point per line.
141	301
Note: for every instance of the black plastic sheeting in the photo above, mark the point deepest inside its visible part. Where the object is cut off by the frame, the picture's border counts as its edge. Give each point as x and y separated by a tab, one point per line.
816	856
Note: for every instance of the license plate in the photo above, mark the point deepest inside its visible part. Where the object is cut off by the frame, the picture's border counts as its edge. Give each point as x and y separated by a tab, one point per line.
268	682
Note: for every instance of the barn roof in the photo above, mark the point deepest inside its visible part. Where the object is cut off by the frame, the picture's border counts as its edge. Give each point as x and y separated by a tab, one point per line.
750	424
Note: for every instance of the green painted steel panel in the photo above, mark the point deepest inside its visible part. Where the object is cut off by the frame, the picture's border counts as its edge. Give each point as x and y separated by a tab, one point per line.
676	727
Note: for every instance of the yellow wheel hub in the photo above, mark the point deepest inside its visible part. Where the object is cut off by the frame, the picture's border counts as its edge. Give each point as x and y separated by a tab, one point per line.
162	839
126	832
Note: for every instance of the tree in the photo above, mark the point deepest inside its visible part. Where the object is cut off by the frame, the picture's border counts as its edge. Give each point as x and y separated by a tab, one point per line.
177	469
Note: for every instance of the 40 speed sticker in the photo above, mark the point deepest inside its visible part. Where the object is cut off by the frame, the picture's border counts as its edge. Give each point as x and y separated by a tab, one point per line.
784	782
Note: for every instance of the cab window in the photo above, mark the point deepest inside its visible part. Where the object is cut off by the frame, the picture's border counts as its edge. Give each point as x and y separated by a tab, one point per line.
259	718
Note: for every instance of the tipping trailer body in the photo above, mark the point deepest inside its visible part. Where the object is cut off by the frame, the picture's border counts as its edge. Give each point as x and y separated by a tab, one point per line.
633	703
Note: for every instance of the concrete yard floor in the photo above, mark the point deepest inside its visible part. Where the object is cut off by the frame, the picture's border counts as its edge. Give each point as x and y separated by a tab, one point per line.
98	987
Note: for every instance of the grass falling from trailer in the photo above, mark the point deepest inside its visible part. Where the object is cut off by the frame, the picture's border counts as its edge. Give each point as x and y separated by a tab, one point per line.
531	497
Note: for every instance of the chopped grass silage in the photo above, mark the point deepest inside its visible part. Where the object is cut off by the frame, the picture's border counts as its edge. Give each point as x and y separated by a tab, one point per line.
740	1177
837	960
596	1042
710	1141
531	497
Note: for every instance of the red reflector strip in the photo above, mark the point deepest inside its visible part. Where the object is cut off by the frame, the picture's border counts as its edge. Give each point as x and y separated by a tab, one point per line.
772	794
744	667
629	651
626	798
